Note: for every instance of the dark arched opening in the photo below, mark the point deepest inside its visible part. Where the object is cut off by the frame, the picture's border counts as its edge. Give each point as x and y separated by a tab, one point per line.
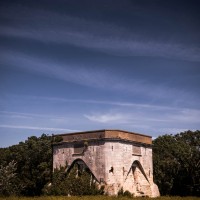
82	167
137	164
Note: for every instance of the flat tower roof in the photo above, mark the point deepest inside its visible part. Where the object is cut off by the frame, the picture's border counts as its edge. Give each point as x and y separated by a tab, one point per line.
106	134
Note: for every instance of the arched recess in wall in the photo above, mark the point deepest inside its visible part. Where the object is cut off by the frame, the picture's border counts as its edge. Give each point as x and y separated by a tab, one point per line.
136	164
81	166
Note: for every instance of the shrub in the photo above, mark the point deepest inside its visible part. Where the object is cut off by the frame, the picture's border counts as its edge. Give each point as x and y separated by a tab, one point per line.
75	183
122	193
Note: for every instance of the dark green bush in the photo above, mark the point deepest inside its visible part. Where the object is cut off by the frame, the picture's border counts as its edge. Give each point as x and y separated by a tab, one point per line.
75	183
122	193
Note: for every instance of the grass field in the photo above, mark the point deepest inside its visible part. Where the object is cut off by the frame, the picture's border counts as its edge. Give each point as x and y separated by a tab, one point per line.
96	198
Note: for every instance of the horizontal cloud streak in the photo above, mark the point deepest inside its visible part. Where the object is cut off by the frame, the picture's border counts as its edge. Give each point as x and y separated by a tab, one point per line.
96	35
66	72
92	77
120	47
146	121
145	106
146	115
105	118
36	128
30	115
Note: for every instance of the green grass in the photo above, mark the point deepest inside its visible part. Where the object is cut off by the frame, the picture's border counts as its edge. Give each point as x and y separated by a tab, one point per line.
96	198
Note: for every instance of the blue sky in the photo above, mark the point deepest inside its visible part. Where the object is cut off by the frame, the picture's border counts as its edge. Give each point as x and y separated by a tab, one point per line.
70	66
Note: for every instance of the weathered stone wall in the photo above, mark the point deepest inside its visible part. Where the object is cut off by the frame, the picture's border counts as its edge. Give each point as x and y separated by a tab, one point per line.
93	157
120	157
117	159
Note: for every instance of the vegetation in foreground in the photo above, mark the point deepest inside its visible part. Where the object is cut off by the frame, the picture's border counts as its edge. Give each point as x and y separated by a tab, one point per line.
25	169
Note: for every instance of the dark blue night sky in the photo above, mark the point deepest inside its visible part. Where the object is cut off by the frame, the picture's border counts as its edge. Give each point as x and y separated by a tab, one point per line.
70	65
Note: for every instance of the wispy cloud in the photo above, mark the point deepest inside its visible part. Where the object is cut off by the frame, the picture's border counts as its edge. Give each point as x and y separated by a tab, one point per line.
71	73
36	128
105	118
148	118
92	77
124	104
125	118
97	35
31	116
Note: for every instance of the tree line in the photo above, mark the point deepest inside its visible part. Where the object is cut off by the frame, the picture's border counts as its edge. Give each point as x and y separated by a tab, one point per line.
176	161
26	168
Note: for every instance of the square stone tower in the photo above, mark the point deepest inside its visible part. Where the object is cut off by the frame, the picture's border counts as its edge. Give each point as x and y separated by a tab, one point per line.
117	159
